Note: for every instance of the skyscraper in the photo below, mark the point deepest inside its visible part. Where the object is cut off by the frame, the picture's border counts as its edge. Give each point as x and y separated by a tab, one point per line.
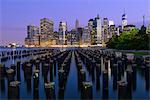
112	31
46	26
99	30
86	36
79	34
32	30
95	29
74	36
90	25
124	20
62	32
32	35
77	24
105	30
92	31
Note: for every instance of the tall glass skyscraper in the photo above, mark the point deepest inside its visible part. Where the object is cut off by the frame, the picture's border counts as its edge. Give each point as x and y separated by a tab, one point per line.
99	30
77	24
62	32
124	20
95	29
32	35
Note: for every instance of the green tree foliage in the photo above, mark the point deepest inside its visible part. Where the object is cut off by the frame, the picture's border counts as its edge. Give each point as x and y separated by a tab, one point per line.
133	40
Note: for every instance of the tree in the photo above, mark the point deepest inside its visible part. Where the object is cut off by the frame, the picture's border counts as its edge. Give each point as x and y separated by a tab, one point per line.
135	39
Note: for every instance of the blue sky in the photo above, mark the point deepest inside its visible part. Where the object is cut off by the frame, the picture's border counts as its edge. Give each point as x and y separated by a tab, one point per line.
15	15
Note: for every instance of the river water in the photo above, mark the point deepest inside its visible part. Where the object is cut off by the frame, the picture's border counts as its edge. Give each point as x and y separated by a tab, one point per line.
72	91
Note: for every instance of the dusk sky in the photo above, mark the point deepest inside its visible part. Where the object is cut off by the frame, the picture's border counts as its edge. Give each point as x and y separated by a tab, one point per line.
15	15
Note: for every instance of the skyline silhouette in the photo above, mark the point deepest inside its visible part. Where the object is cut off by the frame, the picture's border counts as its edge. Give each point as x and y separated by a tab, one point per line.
16	14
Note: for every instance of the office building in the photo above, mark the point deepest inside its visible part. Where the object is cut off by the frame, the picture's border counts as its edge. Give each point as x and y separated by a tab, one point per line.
32	31
124	20
79	34
46	27
62	32
112	31
95	29
32	36
106	34
77	24
74	37
86	40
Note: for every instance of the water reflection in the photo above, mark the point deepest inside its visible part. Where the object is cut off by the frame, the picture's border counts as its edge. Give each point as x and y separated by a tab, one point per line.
13	93
18	70
147	78
36	85
98	73
105	85
13	90
2	85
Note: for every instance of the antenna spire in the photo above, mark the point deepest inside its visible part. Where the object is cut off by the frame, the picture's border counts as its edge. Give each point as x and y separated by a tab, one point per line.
124	11
143	19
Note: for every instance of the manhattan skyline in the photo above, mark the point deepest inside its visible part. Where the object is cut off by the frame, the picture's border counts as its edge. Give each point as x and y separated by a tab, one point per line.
17	14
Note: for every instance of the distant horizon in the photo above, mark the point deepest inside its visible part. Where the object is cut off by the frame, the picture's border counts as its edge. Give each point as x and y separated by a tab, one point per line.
16	15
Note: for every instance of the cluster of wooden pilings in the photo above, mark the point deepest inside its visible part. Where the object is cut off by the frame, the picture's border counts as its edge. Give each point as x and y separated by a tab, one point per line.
16	53
83	85
44	60
93	62
122	67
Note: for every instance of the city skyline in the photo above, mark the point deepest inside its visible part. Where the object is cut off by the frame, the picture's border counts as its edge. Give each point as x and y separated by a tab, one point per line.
28	12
